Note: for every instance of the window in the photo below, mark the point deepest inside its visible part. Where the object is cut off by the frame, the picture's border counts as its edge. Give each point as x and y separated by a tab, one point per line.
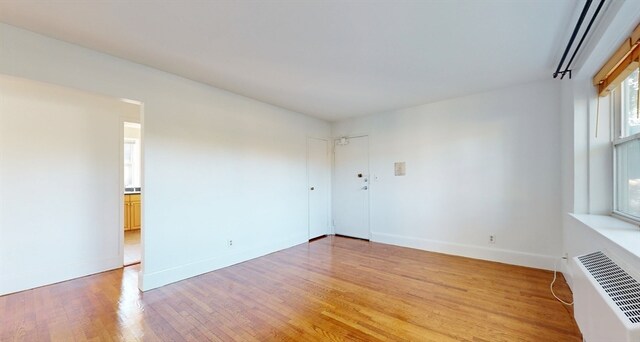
131	163
626	145
618	78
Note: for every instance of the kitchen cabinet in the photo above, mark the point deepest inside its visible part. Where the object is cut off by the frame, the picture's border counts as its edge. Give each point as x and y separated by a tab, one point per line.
132	212
127	214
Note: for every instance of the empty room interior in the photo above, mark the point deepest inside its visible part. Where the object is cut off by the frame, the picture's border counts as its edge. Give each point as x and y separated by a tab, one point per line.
343	170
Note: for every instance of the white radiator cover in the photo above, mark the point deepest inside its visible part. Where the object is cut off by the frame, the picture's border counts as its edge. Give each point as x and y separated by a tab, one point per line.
599	316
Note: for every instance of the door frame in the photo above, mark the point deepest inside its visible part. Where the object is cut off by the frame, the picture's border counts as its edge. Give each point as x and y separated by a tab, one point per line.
333	173
329	185
139	120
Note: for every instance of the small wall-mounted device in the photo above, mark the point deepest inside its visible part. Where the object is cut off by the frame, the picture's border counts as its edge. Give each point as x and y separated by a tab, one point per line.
359	175
400	168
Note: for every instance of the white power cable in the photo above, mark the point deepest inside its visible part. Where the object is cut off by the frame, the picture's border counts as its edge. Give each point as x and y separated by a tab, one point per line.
555	266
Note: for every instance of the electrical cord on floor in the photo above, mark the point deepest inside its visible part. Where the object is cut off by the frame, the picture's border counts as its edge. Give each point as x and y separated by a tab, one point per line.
555	266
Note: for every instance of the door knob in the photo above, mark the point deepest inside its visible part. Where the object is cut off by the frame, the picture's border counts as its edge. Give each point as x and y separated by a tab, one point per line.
312	188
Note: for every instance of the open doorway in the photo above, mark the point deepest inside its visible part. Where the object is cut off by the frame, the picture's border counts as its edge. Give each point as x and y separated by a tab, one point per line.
132	176
62	182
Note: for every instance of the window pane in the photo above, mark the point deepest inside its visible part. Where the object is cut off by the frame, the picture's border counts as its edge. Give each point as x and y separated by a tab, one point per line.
628	177
132	163
128	152
630	120
128	176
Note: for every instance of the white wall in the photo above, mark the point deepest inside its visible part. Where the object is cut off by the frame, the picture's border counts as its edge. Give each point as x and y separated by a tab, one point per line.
217	166
59	183
478	165
588	164
587	160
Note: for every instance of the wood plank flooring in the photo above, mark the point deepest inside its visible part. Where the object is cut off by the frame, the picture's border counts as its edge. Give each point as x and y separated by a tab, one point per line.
132	248
332	289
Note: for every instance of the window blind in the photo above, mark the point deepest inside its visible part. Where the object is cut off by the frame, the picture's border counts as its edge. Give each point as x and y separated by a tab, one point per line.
622	63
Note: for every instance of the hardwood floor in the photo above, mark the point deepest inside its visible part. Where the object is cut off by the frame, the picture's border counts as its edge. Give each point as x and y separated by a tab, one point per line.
332	289
132	250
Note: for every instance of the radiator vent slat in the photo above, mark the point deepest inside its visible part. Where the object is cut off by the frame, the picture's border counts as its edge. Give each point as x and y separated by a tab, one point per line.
623	289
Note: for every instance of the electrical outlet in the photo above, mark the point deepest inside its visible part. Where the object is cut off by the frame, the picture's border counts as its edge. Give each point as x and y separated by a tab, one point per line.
492	238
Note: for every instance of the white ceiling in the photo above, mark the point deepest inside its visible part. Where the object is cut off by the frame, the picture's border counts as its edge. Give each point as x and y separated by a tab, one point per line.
329	59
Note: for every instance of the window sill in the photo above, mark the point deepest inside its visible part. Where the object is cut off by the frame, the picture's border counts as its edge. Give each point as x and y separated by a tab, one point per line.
621	233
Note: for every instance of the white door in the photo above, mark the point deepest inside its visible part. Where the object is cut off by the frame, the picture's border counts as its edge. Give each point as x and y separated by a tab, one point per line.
351	187
318	172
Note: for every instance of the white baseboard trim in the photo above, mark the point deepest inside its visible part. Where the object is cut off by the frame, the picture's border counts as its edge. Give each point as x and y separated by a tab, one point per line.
42	277
149	281
566	269
540	261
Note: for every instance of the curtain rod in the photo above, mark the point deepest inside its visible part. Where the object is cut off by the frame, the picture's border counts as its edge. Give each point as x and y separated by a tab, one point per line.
576	29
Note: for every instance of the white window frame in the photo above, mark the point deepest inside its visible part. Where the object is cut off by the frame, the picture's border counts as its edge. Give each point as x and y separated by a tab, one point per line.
617	140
